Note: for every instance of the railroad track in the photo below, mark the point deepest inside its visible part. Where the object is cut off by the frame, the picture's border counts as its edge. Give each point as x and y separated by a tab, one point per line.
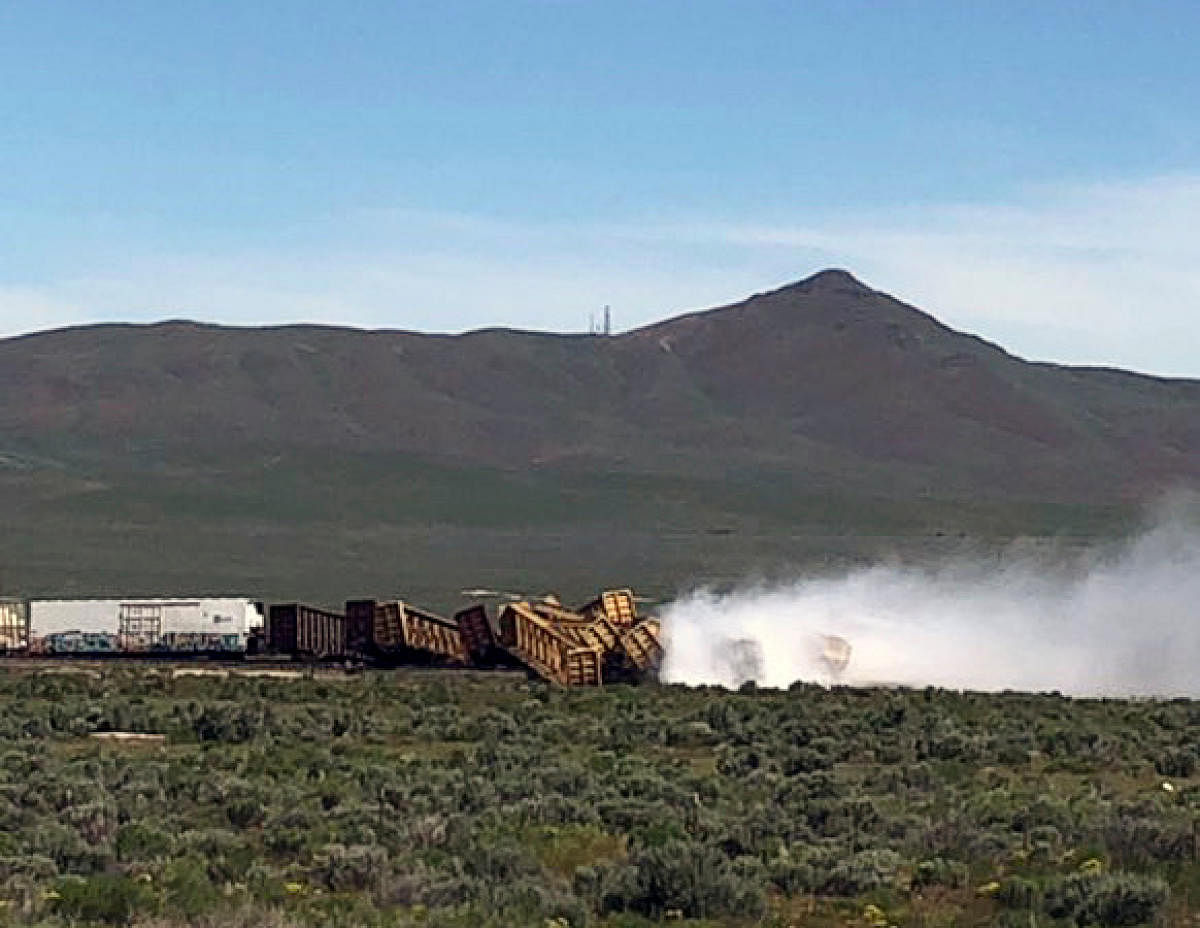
195	665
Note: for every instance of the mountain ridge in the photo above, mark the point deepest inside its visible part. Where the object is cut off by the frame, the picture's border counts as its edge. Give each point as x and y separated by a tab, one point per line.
817	420
823	281
826	359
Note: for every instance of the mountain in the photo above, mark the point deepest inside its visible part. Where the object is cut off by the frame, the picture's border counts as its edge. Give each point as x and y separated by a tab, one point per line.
736	439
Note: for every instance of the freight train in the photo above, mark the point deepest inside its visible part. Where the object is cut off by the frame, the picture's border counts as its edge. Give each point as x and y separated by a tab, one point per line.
602	640
128	626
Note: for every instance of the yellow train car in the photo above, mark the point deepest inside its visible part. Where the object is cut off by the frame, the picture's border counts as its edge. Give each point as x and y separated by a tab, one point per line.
546	649
400	631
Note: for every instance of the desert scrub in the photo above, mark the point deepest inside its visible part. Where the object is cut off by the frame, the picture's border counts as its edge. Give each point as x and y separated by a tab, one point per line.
438	798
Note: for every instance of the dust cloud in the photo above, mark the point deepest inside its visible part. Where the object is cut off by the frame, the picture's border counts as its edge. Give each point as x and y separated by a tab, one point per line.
1119	621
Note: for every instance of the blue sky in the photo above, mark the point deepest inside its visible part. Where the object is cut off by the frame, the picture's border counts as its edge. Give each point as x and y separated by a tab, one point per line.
1027	171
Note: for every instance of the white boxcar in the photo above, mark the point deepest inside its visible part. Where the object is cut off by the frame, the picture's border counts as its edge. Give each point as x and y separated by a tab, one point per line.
217	624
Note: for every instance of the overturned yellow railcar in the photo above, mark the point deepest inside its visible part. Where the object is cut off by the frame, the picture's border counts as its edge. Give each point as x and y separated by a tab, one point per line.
601	641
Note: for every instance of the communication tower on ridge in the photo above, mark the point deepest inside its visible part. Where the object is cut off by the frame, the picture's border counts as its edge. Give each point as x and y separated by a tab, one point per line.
603	326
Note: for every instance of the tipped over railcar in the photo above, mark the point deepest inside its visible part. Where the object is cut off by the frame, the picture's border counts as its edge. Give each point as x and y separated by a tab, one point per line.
603	640
397	632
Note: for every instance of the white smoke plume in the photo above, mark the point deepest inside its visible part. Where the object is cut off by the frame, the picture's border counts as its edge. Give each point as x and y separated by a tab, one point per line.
1121	621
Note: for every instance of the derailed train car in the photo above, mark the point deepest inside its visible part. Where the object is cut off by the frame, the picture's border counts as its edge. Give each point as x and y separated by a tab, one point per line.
537	641
397	632
479	637
618	606
388	632
642	644
601	641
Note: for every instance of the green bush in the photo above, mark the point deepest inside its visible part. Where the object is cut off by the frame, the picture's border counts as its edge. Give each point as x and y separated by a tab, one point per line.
187	889
937	871
1019	893
861	872
1176	762
690	878
1106	899
138	841
106	897
468	801
353	868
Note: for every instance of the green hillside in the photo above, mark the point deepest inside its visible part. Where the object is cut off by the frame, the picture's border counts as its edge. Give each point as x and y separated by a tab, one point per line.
819	424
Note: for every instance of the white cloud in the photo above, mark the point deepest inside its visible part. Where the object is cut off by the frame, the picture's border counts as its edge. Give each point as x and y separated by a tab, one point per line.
1100	274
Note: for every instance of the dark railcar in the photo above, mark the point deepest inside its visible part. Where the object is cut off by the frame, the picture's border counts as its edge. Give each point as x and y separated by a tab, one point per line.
306	631
477	633
360	628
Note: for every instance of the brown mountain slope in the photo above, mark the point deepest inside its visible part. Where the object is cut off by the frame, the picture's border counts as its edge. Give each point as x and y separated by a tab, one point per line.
814	425
849	368
826	381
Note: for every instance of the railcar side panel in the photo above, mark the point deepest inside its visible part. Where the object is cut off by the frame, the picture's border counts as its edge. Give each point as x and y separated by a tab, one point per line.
617	606
434	635
643	645
296	628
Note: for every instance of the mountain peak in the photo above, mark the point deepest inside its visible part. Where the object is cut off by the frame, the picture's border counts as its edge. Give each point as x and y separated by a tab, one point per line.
834	278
